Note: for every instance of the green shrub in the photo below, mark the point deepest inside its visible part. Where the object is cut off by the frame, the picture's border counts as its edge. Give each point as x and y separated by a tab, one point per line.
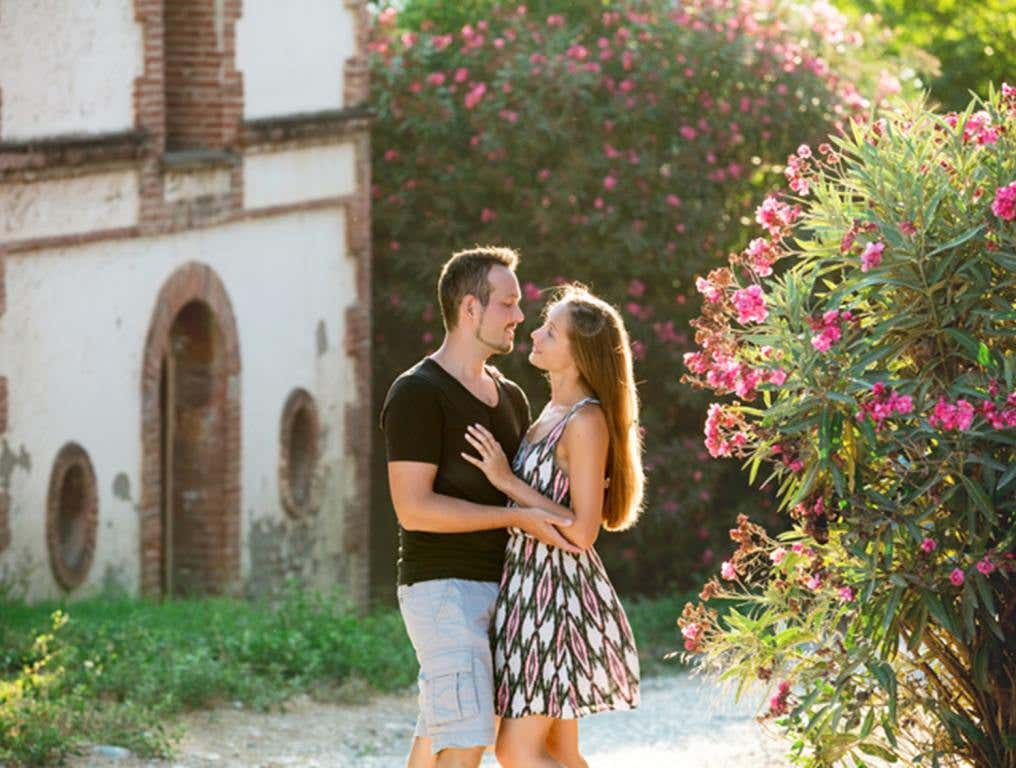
870	339
622	148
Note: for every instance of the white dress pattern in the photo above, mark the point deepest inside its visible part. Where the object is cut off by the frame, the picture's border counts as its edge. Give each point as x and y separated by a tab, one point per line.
562	643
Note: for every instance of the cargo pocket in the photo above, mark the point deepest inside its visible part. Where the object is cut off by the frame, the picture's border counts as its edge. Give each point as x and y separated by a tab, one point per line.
448	687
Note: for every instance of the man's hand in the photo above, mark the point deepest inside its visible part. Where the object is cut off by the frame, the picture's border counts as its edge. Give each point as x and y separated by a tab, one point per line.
543	525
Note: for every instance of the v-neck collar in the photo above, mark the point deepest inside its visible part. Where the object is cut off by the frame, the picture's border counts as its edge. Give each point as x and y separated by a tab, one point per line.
464	388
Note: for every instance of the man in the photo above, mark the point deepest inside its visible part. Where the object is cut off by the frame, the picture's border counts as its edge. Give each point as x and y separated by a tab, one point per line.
451	519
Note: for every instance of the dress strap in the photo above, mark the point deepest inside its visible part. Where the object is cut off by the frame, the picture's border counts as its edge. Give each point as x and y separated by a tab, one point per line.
558	430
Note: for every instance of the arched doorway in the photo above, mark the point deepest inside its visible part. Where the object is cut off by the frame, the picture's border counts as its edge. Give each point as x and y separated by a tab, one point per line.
190	509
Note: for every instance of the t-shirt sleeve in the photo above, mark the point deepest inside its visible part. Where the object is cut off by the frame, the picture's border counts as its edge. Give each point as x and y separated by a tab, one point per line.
412	422
522	407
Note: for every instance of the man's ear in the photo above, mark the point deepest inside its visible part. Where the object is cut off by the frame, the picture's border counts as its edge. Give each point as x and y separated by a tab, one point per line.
470	305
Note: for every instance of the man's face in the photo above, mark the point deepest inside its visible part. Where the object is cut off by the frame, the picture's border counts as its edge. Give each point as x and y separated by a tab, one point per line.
497	322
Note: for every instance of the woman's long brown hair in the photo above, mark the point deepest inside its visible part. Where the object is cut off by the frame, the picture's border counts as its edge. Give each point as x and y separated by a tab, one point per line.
602	351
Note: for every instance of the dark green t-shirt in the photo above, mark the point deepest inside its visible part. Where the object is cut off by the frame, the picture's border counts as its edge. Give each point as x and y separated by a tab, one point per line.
424	419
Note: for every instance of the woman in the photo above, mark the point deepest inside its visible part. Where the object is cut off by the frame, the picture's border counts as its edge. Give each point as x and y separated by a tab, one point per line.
563	647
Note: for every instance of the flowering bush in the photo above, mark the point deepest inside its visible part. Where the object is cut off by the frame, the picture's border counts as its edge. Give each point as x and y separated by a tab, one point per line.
872	359
622	149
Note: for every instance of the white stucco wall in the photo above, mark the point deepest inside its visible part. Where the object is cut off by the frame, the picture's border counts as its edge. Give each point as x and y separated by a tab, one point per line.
298	175
73	205
292	55
67	67
73	340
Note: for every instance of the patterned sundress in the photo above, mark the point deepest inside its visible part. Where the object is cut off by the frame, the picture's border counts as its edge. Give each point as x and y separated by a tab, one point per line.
562	643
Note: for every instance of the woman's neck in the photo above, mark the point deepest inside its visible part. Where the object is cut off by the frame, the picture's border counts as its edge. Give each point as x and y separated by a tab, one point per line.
567	388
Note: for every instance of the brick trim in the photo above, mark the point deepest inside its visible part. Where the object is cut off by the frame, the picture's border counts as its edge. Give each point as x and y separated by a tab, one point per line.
359	416
299	401
70	575
191	282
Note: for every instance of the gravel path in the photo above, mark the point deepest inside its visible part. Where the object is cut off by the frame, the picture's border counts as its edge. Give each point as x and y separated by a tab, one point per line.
682	722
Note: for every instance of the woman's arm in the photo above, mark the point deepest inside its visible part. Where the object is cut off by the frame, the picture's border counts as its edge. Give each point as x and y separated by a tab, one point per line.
584	446
583	453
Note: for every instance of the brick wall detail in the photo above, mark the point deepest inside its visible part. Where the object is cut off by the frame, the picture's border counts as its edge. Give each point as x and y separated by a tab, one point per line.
207	535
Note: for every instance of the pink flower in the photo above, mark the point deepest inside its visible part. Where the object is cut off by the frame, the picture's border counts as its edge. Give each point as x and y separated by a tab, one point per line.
872	256
691	631
957	577
952	417
821	342
687	132
928	546
475	94
908	228
391	154
761	254
985	566
436	78
387	17
777	555
1005	202
727	570
673	201
815	582
636	288
775	216
750	303
846	594
777	377
609	182
709	290
461	75
555	20
487	215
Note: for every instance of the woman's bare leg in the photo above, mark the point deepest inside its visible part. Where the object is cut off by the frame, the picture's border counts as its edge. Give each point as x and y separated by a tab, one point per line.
563	744
522	743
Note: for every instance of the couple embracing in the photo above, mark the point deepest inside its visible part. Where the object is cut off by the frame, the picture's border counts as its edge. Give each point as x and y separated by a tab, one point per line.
506	602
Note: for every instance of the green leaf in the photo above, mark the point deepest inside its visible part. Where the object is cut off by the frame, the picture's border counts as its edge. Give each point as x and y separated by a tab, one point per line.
957	241
969	344
876	751
980	498
983	354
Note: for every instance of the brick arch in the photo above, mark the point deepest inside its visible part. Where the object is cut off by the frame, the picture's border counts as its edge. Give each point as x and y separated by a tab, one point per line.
194	291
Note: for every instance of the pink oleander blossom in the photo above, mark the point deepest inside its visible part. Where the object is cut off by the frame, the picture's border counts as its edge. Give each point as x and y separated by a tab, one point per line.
952	416
872	256
750	304
928	546
777	555
1004	205
727	570
957	577
985	566
846	595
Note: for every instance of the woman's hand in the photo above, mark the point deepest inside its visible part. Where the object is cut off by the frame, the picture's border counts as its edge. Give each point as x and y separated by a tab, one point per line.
492	462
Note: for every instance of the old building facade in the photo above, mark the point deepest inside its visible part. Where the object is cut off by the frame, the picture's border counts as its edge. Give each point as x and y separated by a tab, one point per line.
184	296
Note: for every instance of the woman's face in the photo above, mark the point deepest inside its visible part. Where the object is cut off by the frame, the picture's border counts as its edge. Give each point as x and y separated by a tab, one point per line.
551	350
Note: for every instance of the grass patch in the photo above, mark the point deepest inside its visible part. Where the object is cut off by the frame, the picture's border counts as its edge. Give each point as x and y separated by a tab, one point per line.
116	670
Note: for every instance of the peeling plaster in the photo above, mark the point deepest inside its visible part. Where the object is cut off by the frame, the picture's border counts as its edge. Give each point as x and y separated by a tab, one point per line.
280	550
9	461
322	338
122	486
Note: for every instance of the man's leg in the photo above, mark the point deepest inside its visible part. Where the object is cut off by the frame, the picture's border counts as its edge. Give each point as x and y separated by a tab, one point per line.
447	621
460	758
421	755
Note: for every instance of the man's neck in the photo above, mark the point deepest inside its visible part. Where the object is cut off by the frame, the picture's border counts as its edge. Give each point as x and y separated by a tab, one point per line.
462	358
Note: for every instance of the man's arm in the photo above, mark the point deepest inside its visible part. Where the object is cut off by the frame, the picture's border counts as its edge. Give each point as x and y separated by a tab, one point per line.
419	508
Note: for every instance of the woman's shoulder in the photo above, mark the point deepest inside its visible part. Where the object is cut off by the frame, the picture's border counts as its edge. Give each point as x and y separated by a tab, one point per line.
588	422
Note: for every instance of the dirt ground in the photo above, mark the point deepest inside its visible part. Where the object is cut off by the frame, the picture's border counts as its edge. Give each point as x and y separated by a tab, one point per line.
682	722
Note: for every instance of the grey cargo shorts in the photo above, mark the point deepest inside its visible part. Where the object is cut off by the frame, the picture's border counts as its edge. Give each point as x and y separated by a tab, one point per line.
448	622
